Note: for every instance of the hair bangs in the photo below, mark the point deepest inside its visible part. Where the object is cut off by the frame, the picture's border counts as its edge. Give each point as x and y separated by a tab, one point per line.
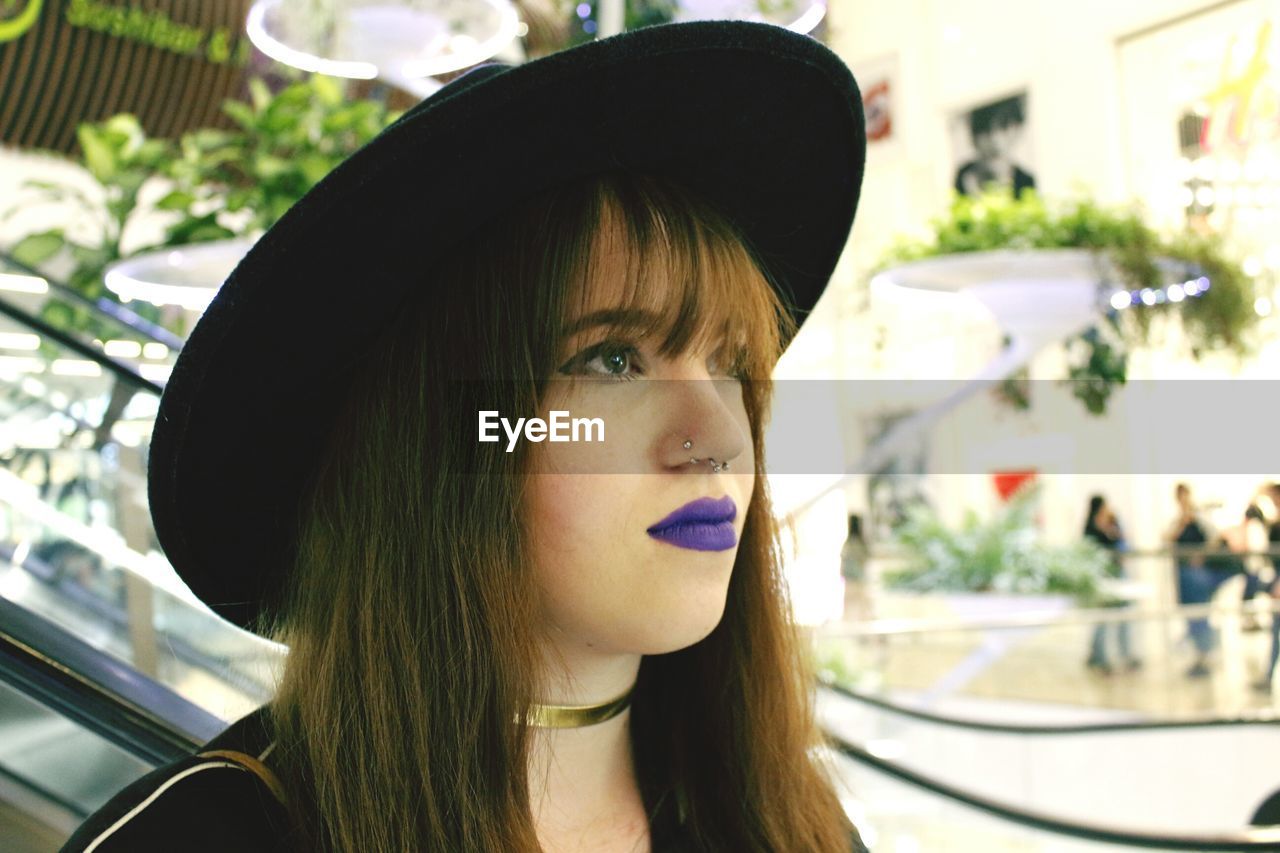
684	277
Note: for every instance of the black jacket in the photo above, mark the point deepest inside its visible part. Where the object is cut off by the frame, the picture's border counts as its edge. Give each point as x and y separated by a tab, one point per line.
196	804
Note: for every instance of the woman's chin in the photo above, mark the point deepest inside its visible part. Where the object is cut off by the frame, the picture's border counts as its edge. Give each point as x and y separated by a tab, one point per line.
680	634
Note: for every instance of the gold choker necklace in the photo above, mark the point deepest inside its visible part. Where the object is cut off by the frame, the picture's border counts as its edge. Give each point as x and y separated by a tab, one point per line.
574	716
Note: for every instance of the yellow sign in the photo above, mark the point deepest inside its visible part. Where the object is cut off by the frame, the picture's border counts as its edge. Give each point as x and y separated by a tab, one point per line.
155	29
168	62
11	28
1245	105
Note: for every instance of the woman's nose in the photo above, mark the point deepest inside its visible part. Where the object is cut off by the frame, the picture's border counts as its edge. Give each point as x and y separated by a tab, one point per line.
706	423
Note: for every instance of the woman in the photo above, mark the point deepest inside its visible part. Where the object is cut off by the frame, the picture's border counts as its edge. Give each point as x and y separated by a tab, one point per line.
1187	535
1103	528
1272	588
853	568
517	645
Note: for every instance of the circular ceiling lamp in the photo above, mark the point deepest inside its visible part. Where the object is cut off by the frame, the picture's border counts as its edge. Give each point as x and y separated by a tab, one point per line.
603	18
404	42
800	16
185	275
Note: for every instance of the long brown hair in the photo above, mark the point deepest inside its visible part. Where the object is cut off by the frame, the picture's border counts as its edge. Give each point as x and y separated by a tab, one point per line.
411	611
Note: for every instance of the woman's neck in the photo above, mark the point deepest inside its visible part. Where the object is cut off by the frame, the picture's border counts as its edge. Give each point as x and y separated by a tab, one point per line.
582	785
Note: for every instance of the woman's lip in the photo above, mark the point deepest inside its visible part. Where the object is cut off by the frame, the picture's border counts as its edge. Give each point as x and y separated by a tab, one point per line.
703	511
699	536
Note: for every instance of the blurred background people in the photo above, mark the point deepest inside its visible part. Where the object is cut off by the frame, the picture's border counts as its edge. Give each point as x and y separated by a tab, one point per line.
1102	526
1189	535
1239	549
853	568
1272	584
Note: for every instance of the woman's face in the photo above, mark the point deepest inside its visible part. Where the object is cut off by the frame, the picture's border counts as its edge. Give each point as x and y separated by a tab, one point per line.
608	586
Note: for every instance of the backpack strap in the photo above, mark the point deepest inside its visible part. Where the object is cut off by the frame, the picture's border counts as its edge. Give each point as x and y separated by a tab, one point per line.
254	766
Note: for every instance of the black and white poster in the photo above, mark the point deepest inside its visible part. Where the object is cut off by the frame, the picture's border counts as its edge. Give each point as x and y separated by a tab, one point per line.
992	147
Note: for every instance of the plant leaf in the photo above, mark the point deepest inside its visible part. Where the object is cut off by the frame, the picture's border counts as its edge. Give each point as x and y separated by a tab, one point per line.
35	249
259	94
241	113
176	200
98	154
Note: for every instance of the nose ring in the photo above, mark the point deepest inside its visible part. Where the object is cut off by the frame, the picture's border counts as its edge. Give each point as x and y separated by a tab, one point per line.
715	468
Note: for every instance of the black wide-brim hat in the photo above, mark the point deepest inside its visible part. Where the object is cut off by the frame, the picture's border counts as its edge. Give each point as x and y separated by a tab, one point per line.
764	123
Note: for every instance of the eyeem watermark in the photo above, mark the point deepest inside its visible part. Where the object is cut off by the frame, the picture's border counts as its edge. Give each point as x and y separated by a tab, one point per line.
559	428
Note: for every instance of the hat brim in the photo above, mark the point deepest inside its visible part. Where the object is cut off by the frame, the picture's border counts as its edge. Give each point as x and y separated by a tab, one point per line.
764	123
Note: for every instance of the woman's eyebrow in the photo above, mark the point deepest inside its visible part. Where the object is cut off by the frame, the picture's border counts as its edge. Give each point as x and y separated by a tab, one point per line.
633	317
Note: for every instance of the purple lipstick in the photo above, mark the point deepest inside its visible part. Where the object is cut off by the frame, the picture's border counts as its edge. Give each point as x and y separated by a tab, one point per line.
702	525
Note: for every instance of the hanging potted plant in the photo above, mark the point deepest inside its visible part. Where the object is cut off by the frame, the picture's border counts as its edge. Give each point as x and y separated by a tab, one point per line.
1212	297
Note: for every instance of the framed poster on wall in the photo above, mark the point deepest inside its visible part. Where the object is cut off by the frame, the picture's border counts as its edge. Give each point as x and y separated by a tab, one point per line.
990	146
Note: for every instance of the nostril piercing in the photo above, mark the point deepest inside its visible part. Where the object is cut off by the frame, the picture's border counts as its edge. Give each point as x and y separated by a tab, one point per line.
688	444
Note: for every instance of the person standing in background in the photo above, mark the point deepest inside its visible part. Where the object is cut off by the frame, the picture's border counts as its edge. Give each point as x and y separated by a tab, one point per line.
1103	528
1195	586
1243	543
1272	491
853	568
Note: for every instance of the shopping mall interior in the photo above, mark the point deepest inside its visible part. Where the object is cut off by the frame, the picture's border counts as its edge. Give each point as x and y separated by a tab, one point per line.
1024	533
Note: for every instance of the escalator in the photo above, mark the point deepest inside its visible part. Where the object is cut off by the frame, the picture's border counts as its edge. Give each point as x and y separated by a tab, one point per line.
76	725
109	667
1202	776
76	543
1176	785
85	597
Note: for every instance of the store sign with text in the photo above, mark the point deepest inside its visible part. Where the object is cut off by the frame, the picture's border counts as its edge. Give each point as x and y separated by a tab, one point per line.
169	62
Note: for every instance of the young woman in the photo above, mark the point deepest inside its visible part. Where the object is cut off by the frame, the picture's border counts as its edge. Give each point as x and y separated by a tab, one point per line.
1188	536
517	644
1102	526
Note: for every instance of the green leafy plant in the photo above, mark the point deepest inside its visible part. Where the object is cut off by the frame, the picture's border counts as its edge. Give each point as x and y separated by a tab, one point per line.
1005	554
225	183
120	158
1221	318
229	183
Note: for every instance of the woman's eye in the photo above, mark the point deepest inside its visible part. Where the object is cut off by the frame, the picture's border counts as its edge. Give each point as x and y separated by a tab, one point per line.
609	359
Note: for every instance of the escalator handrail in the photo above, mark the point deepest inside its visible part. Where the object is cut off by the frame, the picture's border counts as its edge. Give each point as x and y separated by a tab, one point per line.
903	627
1262	838
116	616
120	371
1262	718
105	695
122	315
